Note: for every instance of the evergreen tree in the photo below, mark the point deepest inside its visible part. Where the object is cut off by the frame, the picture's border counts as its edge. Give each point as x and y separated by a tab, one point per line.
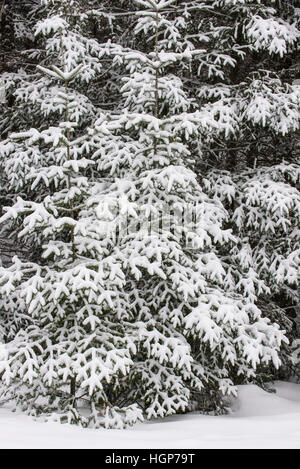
142	295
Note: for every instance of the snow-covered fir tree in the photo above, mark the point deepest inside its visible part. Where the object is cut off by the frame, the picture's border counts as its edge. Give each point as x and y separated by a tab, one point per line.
141	301
153	89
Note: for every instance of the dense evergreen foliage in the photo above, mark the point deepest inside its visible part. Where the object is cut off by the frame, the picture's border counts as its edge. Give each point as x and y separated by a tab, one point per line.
150	175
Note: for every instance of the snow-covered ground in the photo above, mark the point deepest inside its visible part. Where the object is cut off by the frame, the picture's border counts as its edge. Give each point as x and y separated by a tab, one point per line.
259	420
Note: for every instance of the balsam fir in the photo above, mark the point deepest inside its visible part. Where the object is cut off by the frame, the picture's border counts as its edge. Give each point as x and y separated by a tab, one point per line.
135	306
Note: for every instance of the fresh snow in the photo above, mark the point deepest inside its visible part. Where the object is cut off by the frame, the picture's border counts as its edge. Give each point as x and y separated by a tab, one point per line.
259	420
